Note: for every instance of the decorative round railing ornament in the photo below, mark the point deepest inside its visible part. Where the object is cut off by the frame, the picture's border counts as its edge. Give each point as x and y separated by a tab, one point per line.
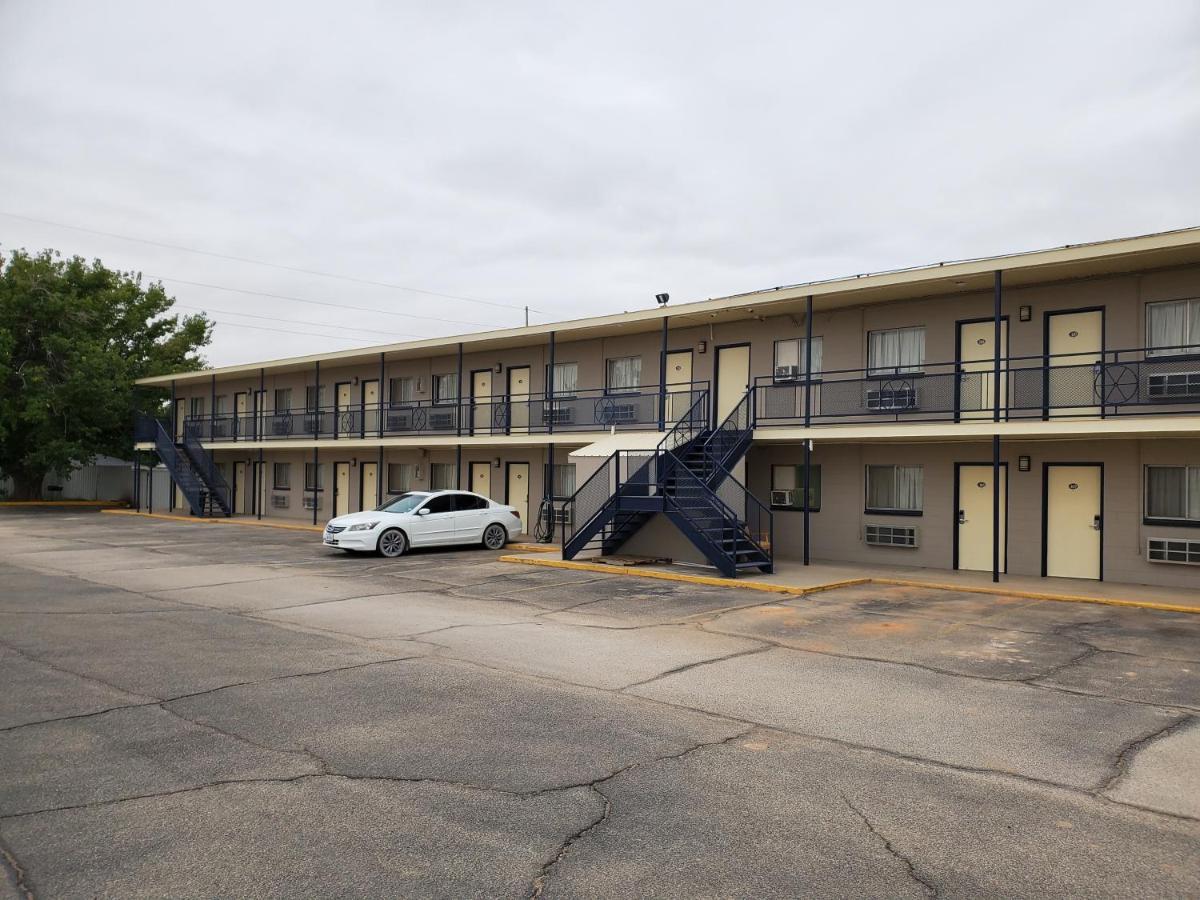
1117	384
418	419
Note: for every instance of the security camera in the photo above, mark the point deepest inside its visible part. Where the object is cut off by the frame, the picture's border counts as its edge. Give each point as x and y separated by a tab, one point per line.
662	298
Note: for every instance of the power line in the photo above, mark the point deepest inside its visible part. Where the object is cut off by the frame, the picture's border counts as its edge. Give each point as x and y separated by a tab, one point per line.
281	330
230	312
385	312
259	262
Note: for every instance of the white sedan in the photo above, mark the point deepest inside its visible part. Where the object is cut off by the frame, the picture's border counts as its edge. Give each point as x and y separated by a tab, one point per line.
425	519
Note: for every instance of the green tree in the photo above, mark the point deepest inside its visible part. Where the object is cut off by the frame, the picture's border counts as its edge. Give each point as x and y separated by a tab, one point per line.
73	338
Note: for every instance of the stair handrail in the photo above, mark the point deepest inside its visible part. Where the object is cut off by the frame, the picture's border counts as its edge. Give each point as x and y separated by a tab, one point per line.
732	423
149	427
206	467
761	509
690	425
576	523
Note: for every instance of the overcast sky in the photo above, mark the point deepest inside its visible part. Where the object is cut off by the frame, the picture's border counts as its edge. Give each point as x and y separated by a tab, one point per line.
577	158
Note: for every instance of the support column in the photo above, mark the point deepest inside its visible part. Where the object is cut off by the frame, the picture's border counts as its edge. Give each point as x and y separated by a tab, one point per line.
995	507
808	313
548	393
380	474
382	376
316	483
807	494
150	488
316	408
174	432
137	480
996	310
458	467
996	304
662	379
212	409
458	400
259	411
259	490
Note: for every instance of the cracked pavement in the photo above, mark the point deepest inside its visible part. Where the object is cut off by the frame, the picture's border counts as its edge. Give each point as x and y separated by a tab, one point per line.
195	710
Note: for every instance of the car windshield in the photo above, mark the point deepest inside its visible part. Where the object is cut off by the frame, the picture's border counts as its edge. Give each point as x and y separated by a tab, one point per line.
404	503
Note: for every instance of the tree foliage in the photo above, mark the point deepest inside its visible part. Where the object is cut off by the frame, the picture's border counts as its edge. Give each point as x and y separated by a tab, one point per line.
73	338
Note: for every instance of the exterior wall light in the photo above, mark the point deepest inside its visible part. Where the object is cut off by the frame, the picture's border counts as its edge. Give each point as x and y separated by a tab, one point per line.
702	347
1025	313
1024	463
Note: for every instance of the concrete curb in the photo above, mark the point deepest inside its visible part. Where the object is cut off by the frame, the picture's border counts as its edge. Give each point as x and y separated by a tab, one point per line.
253	523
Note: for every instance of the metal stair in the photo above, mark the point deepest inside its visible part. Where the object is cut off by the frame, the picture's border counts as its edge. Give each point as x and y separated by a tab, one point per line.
190	465
688	478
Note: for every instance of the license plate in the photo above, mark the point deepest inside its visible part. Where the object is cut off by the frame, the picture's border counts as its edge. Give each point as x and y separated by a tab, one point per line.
331	541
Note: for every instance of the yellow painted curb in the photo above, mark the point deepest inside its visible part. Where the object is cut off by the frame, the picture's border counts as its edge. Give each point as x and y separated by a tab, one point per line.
742	583
254	523
850	582
4	503
534	548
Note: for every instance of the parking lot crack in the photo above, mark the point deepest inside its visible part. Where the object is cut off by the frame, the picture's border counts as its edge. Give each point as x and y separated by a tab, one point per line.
15	873
62	670
321	765
702	662
928	887
1127	753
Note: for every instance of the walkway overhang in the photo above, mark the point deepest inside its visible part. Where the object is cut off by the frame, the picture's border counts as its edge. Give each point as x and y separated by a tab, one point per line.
1116	428
427	441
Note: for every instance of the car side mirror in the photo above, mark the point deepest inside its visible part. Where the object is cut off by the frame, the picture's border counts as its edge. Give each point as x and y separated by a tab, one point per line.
423	511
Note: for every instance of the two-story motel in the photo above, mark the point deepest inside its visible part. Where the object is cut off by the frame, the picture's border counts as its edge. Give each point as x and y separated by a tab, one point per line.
1036	414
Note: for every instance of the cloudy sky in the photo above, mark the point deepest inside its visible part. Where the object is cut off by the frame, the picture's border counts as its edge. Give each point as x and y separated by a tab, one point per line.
454	162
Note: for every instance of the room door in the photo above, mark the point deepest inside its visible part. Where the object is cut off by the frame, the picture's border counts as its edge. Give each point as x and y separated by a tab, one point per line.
517	489
1074	521
239	488
341	488
976	362
241	408
180	416
481	401
481	479
679	384
1075	346
518	399
974	518
369	423
368	494
343	417
733	378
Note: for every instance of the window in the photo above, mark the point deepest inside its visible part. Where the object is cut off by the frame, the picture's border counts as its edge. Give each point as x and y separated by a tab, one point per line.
399	477
790	358
1173	327
442	504
283	399
790	478
895	489
1173	493
562	481
312	397
219	405
313	476
402	390
896	351
566	379
283	476
467	503
443	476
197	408
445	388
624	375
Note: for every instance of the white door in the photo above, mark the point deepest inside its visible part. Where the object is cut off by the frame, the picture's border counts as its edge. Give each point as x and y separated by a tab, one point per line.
344	418
1076	345
481	402
241	420
976	356
369	495
518	399
239	488
341	488
436	524
1073	525
733	379
517	489
180	415
679	384
481	478
975	518
370	410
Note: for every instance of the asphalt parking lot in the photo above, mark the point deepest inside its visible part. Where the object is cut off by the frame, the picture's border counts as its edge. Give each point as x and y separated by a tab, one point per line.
209	710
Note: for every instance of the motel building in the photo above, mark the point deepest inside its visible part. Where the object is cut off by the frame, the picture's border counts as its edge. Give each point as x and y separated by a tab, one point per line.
1036	414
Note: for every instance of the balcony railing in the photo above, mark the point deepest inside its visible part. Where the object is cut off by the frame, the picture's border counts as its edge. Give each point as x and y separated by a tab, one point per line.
1111	383
582	410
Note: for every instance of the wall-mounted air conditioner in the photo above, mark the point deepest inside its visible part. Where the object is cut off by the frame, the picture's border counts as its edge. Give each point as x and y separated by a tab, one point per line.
781	498
892	398
311	502
1172	550
279	501
1173	386
788	373
892	535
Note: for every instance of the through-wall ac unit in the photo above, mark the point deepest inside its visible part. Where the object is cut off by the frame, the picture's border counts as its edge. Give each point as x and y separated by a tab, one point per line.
562	516
1171	550
279	501
311	502
441	421
399	421
1173	385
618	414
312	423
781	498
892	535
559	415
788	373
892	398
281	426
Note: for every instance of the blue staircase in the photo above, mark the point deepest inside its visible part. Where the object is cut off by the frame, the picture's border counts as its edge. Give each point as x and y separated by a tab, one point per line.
686	477
190	465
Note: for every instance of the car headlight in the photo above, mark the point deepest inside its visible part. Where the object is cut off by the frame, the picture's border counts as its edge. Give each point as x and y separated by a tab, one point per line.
362	526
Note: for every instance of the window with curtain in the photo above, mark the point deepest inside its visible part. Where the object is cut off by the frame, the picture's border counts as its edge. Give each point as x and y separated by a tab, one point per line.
895	489
566	379
282	479
443	476
896	351
314	476
445	388
219	405
399	477
1173	492
197	407
1173	327
562	481
793	353
402	390
624	374
791	478
312	397
283	399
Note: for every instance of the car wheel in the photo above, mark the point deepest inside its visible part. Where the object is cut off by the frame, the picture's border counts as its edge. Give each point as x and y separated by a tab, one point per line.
392	542
494	536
